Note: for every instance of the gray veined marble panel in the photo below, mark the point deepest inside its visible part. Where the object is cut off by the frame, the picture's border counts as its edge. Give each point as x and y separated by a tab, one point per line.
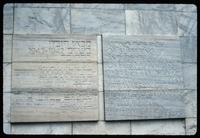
41	5
189	48
7	48
8	18
98	6
143	75
186	7
191	126
158	7
41	21
97	21
191	103
140	48
54	107
187	23
190	76
57	48
150	23
7	77
139	105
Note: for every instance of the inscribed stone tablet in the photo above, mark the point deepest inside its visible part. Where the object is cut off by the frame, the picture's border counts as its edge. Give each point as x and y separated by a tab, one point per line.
62	48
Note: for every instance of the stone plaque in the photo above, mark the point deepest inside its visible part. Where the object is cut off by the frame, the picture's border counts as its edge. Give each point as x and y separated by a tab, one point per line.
54	78
142	78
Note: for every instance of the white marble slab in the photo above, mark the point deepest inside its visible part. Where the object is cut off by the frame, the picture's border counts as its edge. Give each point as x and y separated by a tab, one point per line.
158	127
6	128
6	107
7	77
42	128
190	75
97	21
97	6
101	106
8	18
41	5
7	48
101	128
158	7
150	23
41	21
191	126
191	103
186	7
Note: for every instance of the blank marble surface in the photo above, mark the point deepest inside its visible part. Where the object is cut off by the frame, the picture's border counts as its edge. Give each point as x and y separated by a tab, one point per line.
42	128
159	7
187	23
7	48
102	128
150	23
42	5
191	103
96	21
7	77
6	107
190	75
98	6
7	128
191	126
186	7
189	48
41	21
158	127
101	106
8	18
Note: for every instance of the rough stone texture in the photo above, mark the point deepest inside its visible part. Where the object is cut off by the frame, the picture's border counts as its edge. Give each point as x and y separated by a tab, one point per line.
41	21
102	128
42	128
191	126
150	23
190	76
97	21
98	6
8	18
6	77
189	49
7	48
41	5
158	127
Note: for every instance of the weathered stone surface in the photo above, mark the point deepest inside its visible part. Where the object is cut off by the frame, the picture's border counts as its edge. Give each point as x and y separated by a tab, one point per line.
158	7
158	127
7	48
6	128
97	21
189	48
101	106
102	128
191	126
99	51
54	107
150	23
187	23
100	77
186	7
137	105
191	103
98	6
65	76
41	21
57	48
190	76
41	5
6	107
8	18
6	77
42	128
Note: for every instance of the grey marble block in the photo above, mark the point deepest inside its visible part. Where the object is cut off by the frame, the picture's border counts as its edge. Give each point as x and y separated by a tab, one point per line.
102	128
191	103
7	48
141	105
98	6
158	127
150	23
158	7
41	21
140	48
6	107
191	126
189	48
187	23
7	128
8	18
41	5
97	21
7	77
190	76
42	128
186	7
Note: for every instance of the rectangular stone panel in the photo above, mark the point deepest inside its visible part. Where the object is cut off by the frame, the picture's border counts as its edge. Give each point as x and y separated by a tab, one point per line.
66	76
54	107
140	105
57	48
8	18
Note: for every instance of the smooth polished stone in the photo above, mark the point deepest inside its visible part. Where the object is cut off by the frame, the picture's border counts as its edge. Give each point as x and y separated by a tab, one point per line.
55	48
54	107
158	7
6	77
99	51
158	127
42	128
101	128
189	49
98	6
100	77
6	107
40	5
101	106
191	103
191	126
186	7
144	105
8	18
187	23
150	23
97	21
6	128
190	75
42	21
7	48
